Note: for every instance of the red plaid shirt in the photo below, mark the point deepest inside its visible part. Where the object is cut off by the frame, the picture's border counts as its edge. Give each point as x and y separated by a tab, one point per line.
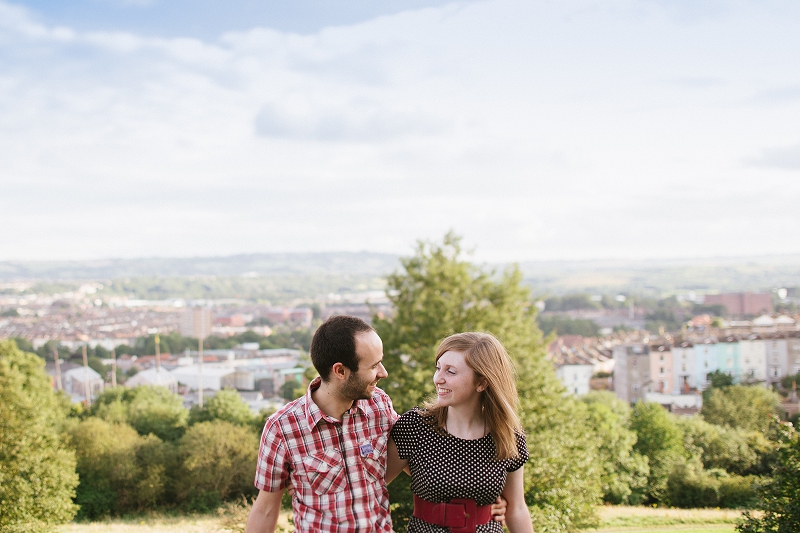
304	447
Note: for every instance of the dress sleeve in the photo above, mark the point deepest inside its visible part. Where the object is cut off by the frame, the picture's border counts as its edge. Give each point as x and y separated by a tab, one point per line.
518	462
404	432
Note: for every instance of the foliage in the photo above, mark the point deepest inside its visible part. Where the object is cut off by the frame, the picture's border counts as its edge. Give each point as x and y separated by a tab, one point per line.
37	471
740	406
565	325
779	494
717	380
735	450
218	461
120	470
690	486
226	405
659	438
624	475
148	409
437	293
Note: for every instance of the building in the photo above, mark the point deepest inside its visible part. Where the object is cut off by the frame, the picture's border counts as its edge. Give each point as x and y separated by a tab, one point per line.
729	357
754	359
683	366
706	361
742	303
661	368
776	352
154	377
75	379
632	371
196	322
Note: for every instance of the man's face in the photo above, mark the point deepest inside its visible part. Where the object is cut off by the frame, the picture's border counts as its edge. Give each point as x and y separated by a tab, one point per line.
369	353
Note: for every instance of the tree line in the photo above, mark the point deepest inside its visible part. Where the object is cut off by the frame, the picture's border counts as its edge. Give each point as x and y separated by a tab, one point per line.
138	449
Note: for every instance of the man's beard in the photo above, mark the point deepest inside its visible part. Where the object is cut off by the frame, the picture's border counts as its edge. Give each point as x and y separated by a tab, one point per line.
357	389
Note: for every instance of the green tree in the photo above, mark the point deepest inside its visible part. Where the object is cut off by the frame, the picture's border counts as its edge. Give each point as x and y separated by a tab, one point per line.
735	450
120	470
225	405
779	494
436	294
148	409
37	470
218	462
624	476
659	438
740	406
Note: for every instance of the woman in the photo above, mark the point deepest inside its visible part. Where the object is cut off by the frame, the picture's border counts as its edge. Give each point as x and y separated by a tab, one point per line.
466	447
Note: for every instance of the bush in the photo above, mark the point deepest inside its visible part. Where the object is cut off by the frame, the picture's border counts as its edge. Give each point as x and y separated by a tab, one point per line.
739	406
147	409
37	470
690	486
120	471
218	462
226	405
660	439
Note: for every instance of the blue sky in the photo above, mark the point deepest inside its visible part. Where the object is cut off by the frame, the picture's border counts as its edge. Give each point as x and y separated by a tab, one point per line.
536	129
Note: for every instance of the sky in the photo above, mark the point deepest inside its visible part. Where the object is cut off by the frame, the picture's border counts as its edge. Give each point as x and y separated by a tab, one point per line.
537	130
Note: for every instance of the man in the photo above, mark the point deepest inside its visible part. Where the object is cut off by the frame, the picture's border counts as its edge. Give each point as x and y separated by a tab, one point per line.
330	445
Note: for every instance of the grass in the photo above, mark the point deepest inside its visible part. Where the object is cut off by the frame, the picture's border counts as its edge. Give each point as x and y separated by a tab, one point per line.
621	519
613	519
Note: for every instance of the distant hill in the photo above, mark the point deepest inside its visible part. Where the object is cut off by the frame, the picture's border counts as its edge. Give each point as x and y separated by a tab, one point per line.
360	270
255	265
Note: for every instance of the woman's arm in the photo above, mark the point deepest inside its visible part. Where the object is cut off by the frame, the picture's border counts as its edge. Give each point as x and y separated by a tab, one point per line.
394	465
518	517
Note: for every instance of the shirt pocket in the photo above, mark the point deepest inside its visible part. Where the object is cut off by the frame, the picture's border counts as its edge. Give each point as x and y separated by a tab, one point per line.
375	462
325	471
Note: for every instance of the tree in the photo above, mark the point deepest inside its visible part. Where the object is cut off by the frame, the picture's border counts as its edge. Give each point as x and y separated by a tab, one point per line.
225	405
37	470
148	409
624	476
659	438
740	406
735	450
120	470
218	461
779	494
436	294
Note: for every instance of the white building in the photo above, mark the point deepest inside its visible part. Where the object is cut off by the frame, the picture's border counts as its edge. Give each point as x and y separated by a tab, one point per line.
157	377
754	359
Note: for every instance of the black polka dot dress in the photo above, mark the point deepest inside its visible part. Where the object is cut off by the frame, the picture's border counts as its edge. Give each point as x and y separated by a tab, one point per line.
444	467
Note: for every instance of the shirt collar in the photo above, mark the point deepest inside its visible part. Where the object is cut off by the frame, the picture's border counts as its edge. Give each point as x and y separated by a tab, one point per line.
314	414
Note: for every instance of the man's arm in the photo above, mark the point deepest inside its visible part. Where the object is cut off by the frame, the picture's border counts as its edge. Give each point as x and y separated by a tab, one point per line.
264	514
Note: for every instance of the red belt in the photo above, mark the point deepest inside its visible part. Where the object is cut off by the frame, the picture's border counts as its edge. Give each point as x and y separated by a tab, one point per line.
460	515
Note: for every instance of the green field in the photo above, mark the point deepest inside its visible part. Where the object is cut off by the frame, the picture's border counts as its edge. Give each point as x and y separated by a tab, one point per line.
612	520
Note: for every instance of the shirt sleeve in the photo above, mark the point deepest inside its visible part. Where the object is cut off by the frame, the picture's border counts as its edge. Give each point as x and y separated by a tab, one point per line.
403	433
522	448
273	467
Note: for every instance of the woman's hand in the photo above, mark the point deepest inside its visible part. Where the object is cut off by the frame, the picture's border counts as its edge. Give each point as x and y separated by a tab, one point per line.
499	510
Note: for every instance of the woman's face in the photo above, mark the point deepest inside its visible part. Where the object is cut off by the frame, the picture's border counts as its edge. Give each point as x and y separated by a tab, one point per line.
455	380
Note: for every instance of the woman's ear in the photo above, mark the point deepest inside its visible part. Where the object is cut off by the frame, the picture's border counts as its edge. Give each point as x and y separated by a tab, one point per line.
483	385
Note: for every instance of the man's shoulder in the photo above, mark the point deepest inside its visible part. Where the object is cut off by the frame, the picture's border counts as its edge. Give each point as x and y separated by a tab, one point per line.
288	414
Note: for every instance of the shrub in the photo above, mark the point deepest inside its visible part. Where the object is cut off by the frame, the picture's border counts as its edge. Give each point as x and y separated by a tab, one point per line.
147	409
218	462
120	471
37	469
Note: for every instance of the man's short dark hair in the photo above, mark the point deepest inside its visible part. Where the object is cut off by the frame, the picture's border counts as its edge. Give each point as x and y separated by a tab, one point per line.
335	342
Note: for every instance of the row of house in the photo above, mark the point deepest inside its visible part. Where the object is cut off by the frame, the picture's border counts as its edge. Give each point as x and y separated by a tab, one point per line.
673	371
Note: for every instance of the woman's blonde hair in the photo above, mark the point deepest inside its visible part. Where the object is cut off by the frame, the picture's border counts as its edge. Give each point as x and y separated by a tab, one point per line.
486	357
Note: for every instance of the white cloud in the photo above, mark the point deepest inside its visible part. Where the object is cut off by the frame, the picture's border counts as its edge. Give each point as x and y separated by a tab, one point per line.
537	130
